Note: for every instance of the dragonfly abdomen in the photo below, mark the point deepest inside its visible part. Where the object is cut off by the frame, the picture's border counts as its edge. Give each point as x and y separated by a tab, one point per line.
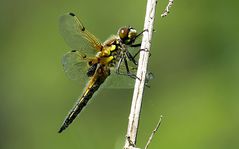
92	87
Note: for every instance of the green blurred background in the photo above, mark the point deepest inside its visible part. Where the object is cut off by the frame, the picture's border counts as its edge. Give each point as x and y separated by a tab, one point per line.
194	61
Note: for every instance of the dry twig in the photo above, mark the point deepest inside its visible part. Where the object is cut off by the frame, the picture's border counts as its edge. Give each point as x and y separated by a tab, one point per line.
141	73
153	133
167	9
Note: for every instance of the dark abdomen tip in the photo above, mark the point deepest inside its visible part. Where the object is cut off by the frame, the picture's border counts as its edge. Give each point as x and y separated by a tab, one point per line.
63	127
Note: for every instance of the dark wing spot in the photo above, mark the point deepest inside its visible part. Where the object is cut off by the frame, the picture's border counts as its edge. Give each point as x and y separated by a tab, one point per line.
83	29
72	14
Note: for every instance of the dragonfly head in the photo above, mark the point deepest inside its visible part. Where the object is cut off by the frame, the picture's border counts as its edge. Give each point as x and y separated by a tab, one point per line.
127	35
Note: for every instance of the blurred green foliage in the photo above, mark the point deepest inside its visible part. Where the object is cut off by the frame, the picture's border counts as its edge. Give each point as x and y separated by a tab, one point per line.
194	61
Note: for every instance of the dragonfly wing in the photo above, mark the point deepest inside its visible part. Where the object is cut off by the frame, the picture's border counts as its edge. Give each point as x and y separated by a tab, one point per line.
77	36
122	80
117	81
75	66
125	81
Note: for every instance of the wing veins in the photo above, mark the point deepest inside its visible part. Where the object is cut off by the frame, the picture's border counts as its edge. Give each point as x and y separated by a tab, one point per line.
95	43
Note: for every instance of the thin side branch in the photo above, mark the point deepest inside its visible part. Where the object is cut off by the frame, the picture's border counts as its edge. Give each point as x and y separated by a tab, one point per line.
167	9
154	131
141	73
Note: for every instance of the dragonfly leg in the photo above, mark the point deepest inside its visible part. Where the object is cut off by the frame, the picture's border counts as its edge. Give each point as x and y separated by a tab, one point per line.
136	45
146	30
118	66
131	58
127	68
149	75
128	72
146	50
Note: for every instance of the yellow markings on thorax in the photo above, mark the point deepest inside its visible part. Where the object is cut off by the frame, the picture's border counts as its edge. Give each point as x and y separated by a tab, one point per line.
104	55
107	50
106	60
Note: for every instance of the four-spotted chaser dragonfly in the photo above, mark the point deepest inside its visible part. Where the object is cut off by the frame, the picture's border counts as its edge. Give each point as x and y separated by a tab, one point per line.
94	60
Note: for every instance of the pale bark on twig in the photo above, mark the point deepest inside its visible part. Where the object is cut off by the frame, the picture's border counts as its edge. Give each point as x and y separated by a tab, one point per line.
141	74
167	9
154	131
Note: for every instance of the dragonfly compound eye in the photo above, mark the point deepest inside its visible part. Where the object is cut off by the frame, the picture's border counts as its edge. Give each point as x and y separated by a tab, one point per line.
123	33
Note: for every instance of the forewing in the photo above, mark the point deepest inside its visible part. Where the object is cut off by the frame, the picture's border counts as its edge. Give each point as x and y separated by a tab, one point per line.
75	66
77	36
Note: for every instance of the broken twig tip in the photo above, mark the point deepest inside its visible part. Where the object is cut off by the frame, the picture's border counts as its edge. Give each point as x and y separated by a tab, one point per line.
153	132
167	9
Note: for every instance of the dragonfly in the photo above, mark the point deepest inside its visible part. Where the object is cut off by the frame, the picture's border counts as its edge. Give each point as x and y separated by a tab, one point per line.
95	61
